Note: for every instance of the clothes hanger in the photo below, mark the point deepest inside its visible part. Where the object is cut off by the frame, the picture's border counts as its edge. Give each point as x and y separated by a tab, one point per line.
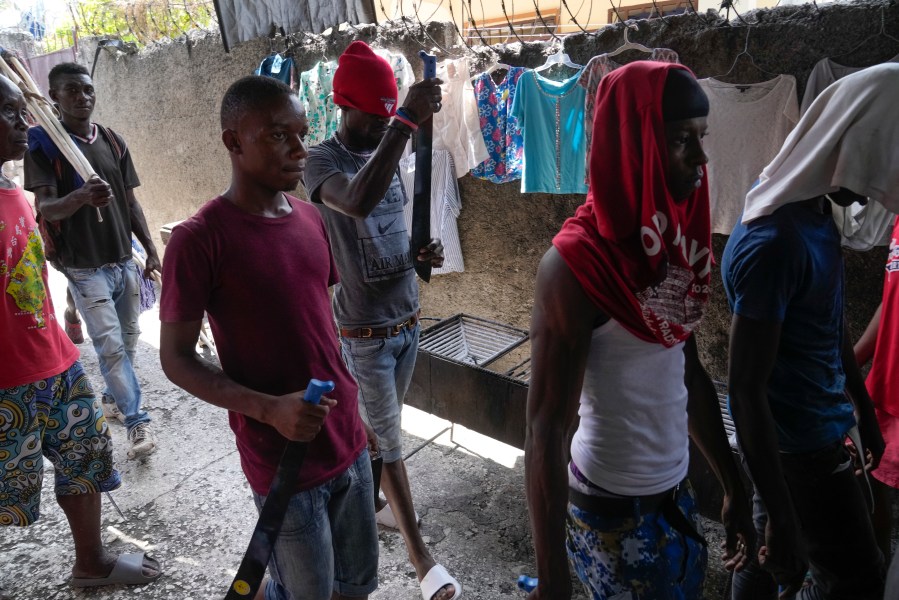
745	52
629	45
559	58
881	33
273	33
498	66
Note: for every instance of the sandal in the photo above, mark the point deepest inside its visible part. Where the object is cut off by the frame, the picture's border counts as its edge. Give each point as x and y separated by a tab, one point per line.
128	570
73	330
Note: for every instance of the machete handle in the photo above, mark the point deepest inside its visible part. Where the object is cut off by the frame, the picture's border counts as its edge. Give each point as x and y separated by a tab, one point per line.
255	560
316	389
430	64
527	584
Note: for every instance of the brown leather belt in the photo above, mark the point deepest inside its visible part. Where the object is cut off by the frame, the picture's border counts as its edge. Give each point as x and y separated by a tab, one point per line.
380	332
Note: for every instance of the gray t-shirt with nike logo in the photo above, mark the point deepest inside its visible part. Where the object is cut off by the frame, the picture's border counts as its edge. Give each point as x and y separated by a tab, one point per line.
377	280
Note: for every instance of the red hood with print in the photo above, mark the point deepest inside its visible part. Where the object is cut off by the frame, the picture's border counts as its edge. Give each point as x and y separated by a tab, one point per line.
641	256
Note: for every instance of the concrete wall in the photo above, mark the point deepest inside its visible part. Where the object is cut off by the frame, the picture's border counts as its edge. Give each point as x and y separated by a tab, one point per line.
165	102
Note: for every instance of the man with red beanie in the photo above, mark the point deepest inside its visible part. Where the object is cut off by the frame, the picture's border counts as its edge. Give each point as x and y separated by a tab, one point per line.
352	179
618	297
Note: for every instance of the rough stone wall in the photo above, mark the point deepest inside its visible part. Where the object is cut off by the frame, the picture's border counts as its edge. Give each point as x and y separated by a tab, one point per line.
165	100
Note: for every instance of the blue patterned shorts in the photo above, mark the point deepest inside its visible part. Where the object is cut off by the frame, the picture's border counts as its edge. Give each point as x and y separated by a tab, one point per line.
60	418
637	559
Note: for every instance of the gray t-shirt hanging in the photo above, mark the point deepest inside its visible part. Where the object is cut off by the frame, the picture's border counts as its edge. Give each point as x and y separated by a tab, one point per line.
377	280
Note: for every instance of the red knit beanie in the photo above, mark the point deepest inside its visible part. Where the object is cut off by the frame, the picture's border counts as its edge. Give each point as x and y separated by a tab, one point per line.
365	81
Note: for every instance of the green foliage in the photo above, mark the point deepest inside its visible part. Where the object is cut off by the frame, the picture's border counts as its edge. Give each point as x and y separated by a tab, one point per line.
141	21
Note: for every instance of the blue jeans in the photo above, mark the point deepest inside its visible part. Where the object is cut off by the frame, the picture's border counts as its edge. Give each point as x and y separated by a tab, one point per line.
329	539
845	561
383	369
108	299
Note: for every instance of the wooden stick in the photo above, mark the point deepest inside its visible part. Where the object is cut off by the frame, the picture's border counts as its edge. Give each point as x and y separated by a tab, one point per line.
40	108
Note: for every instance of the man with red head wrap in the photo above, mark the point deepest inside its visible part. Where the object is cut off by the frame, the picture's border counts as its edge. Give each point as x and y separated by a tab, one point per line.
618	297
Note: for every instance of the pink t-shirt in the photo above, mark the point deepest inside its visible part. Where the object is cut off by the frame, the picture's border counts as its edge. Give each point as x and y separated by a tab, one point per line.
883	379
263	283
34	346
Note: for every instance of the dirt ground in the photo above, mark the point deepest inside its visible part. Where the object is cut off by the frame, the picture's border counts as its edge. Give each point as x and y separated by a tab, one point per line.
189	505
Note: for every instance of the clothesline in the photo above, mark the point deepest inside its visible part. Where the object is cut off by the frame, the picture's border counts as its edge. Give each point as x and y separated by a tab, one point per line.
513	129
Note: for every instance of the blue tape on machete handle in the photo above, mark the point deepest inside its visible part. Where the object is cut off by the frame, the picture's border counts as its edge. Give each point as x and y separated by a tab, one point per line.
430	64
316	389
527	584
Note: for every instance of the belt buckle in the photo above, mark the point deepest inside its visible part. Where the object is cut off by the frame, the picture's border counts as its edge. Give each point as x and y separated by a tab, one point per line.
365	332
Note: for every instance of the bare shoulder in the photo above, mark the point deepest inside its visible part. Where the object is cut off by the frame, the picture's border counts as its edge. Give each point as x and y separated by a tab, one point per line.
559	299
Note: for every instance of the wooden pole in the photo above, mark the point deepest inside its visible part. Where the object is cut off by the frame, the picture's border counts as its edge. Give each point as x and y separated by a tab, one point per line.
40	108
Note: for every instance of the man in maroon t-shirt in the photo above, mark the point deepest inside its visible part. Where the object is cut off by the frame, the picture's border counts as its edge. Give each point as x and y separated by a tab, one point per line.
258	263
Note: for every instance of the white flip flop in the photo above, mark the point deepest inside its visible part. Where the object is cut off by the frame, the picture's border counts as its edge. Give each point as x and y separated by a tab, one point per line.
386	518
436	579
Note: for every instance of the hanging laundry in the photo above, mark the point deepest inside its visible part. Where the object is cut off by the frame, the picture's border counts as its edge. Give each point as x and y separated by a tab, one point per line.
861	227
551	116
748	124
598	67
446	204
402	70
315	94
500	129
825	72
456	125
405	77
278	67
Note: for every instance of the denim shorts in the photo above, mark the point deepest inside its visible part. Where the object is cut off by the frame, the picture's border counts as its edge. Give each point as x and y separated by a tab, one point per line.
383	370
641	558
329	540
60	418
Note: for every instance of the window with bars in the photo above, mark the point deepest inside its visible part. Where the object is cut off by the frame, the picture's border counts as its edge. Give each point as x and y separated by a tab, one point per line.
648	10
529	27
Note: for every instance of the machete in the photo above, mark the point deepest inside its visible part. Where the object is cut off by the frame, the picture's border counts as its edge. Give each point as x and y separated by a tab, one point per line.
252	568
421	199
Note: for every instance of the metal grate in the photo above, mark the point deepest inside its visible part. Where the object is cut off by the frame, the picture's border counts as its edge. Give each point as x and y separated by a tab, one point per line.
471	340
521	371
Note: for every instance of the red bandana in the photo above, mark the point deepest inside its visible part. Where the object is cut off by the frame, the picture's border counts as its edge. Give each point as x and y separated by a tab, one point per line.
641	256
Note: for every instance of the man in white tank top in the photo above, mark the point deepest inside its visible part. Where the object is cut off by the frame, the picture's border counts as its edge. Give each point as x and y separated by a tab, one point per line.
618	296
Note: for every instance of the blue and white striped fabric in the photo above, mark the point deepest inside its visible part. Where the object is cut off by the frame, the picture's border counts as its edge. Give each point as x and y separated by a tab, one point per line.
446	204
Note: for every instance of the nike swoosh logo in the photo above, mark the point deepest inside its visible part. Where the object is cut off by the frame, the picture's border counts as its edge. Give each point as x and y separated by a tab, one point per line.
382	229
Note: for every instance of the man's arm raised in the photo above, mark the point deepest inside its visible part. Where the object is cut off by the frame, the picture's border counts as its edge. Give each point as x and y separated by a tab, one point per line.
359	195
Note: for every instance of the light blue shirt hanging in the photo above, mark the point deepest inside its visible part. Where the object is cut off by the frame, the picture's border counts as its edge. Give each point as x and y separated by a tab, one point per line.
551	116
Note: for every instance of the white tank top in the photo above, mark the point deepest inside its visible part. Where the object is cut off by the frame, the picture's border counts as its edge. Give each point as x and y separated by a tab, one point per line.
632	438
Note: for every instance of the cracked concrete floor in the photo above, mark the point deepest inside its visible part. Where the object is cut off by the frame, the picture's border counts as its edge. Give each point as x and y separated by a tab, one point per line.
189	505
